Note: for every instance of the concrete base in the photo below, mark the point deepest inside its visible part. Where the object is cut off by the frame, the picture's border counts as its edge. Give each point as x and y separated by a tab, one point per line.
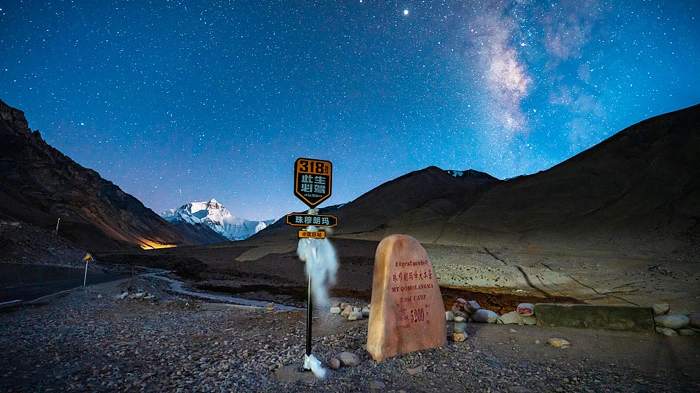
631	319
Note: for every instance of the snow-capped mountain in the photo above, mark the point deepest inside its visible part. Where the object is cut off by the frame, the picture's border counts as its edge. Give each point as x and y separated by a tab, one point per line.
217	217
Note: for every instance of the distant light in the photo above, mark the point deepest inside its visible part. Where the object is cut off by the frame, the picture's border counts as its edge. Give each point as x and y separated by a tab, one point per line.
405	12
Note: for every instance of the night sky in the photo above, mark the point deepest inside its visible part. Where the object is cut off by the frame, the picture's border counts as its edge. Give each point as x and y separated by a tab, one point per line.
180	101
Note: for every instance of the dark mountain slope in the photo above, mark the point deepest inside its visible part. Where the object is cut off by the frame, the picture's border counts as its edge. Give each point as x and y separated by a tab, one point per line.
642	182
38	185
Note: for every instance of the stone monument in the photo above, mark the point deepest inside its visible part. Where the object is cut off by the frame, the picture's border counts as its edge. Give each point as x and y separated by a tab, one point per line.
407	309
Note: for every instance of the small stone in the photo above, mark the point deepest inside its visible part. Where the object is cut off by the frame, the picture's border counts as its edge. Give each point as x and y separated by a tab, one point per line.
355	315
472	306
376	385
661	308
459	337
335	310
348	359
335	304
531	320
672	321
460	327
124	295
365	312
459	305
139	295
346	311
526	309
558	343
334	363
415	370
460	319
270	307
459	314
686	332
449	316
484	316
694	319
511	318
668	332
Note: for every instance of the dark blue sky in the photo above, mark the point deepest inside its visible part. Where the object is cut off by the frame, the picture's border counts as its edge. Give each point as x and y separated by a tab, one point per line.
180	101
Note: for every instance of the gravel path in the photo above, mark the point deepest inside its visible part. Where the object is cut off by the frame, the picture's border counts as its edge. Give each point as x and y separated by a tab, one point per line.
90	341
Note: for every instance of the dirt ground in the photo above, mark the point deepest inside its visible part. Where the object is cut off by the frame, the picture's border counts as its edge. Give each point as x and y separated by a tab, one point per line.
196	346
545	276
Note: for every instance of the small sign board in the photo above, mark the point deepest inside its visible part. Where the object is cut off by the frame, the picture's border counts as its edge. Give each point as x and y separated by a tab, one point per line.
304	220
312	180
312	235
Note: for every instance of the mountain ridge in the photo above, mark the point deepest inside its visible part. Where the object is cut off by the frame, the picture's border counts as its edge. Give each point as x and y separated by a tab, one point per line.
216	217
39	185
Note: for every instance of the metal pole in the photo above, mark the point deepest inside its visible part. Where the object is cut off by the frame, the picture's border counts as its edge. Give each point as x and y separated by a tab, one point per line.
86	265
309	314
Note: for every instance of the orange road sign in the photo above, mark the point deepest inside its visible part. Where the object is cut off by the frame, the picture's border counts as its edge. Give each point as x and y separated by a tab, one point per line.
312	235
312	180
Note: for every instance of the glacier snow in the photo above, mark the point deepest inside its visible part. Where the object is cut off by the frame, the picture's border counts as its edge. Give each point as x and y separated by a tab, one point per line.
217	217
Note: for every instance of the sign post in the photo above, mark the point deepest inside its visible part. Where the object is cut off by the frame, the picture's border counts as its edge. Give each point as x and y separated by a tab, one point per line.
87	259
312	184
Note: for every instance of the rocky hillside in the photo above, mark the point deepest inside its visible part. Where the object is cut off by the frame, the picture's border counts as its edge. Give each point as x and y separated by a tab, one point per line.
39	185
636	192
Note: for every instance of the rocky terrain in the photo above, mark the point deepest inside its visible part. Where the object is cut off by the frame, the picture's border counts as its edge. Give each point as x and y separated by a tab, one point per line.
94	341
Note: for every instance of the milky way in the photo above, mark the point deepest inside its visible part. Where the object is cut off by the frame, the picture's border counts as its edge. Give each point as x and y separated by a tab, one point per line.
179	101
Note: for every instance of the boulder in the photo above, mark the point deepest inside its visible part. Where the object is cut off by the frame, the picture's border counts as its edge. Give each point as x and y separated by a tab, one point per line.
694	320
334	363
460	327
511	318
526	309
449	316
661	308
459	337
557	342
484	316
686	332
348	359
472	306
346	311
666	331
335	310
355	315
459	305
672	321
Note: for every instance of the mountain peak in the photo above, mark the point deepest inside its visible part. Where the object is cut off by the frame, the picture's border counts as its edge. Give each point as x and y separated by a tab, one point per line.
215	216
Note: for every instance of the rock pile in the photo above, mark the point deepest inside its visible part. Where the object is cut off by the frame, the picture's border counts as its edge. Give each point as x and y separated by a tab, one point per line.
464	311
675	324
137	295
349	311
470	311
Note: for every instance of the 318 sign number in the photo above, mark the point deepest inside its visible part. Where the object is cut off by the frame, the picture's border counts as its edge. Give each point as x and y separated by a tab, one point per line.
313	167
